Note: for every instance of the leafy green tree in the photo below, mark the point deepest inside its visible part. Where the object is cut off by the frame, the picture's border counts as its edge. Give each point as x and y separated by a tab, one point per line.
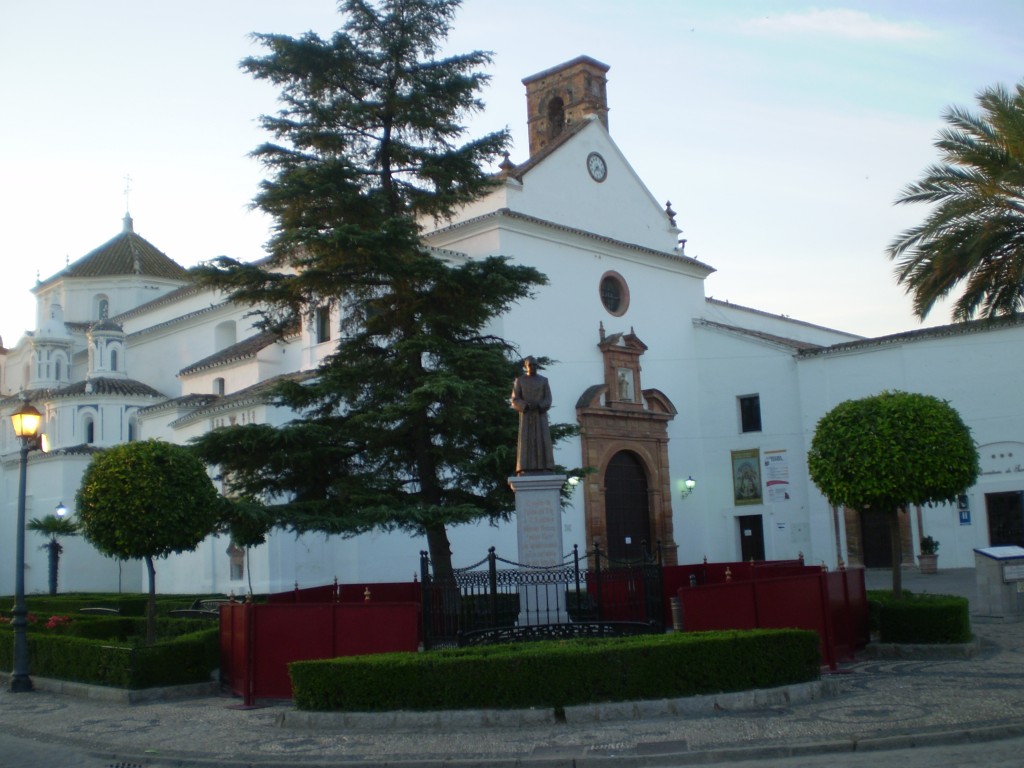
975	234
55	527
247	523
891	450
147	500
407	425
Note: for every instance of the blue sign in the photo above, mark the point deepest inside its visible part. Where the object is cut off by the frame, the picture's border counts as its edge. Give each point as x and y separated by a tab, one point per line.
964	509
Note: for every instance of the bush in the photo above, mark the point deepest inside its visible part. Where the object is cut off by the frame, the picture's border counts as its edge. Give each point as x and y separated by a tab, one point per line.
923	619
72	604
559	673
186	659
105	649
130	629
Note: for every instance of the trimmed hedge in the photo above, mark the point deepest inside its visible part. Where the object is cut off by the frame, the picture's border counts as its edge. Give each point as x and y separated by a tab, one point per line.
559	673
186	659
71	603
926	619
129	629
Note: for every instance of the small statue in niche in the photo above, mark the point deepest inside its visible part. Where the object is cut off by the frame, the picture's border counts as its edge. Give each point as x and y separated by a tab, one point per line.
625	385
531	397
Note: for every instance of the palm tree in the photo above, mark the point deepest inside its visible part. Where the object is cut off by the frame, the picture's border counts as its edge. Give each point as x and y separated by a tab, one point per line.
975	235
53	526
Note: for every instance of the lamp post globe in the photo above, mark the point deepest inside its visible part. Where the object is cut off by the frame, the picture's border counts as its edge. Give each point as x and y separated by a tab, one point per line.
26	421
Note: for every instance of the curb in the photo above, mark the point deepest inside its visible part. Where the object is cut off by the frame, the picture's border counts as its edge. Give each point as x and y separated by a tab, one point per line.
646	755
120	695
738	701
922	651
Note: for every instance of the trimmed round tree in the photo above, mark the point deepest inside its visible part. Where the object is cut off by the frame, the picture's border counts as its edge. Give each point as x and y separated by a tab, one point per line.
146	500
889	451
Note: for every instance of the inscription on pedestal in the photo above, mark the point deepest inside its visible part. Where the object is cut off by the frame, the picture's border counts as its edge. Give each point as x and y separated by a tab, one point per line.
540	530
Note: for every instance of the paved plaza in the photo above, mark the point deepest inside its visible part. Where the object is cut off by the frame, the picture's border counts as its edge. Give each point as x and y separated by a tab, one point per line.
968	700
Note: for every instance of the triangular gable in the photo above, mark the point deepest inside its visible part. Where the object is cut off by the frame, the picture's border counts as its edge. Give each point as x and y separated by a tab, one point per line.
557	185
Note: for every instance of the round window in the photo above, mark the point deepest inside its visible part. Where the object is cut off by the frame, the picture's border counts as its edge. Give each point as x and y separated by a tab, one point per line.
614	293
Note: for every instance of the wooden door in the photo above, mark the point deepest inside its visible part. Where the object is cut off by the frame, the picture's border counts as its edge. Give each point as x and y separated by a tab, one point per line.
626	507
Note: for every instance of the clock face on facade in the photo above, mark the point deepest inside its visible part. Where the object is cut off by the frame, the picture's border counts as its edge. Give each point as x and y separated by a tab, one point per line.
597	167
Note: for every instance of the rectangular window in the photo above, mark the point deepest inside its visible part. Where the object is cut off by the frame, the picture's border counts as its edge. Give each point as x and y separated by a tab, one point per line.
323	325
750	413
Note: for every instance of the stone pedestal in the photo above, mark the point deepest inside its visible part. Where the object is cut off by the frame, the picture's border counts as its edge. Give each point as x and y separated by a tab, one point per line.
539	533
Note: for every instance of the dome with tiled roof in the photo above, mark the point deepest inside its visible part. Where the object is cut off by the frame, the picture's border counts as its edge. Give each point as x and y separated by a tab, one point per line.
107	386
126	254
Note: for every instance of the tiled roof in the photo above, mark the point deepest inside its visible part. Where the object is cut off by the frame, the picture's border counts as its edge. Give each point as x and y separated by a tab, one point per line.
82	449
104	386
508	213
240	351
29	395
712	301
923	334
518	171
125	254
183	402
168	298
799	346
257	394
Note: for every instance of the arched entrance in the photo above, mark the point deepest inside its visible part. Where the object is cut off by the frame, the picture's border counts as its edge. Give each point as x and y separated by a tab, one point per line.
624	441
626	506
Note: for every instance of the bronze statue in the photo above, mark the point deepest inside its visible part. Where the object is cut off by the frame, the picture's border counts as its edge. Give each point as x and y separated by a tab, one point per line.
531	396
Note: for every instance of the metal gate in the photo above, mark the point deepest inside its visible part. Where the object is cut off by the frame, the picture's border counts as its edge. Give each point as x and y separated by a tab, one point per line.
588	596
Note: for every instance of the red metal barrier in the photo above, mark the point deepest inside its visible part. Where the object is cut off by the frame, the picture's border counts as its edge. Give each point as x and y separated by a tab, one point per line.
383	592
259	641
321	594
386	592
832	604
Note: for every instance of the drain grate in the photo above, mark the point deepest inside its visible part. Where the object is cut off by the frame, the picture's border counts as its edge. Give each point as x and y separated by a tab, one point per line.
124	765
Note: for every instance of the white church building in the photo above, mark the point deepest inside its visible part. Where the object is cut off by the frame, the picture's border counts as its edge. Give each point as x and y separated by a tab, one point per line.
665	383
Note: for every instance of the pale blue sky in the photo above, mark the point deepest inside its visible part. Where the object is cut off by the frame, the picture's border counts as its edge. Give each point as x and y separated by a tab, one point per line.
780	131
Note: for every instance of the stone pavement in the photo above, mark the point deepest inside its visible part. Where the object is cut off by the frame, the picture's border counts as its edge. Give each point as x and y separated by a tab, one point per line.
925	699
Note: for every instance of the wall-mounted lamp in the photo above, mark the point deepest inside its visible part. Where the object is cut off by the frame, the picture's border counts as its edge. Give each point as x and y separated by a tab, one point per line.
686	487
61	510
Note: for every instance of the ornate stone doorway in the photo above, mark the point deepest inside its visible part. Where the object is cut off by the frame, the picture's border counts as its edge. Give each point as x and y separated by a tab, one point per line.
624	439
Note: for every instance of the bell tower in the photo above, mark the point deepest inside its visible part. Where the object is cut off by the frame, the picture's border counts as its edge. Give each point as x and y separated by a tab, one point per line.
563	95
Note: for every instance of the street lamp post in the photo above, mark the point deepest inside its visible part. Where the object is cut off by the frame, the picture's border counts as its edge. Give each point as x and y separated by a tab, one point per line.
26	422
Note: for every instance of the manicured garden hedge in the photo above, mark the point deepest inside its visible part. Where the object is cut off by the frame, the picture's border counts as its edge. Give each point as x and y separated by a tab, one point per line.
185	659
72	603
559	673
920	618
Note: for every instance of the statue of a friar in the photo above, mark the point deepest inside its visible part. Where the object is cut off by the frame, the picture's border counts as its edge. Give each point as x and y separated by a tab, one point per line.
531	397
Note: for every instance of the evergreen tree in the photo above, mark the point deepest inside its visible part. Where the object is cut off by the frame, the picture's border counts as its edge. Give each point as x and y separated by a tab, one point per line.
974	236
407	425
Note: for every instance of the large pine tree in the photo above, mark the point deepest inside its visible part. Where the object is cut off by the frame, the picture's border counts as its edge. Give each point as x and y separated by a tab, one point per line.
407	425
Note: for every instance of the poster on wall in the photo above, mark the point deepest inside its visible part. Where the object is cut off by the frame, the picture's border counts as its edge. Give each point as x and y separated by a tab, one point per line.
776	475
746	477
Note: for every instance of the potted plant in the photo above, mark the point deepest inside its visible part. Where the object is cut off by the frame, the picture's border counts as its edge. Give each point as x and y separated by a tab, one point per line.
929	557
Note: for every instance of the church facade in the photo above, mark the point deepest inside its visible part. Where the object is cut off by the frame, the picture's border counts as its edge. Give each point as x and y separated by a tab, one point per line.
666	384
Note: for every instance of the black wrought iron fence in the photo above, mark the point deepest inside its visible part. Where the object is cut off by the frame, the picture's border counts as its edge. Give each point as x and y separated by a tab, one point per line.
588	595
